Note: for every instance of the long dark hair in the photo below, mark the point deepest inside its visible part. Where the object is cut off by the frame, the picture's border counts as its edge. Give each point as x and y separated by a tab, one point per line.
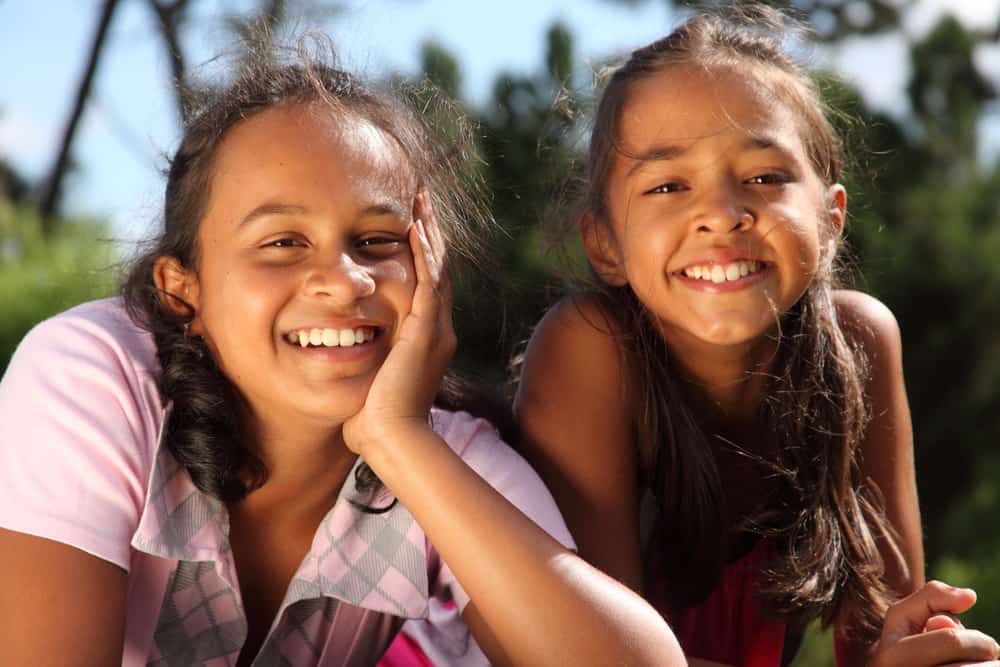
207	430
814	408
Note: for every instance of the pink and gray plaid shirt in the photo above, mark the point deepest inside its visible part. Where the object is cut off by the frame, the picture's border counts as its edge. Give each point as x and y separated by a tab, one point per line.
82	462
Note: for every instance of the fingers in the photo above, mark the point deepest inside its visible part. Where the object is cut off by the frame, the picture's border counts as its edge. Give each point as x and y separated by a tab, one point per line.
942	622
420	247
911	614
428	245
941	647
424	211
433	291
921	631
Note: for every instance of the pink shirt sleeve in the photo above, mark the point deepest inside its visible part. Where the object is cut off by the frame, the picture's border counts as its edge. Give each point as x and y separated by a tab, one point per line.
79	418
479	445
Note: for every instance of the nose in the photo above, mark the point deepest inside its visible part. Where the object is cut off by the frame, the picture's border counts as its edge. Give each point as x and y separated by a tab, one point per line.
341	279
723	212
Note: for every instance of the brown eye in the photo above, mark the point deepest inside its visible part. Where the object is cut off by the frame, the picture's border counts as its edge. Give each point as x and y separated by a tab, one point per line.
283	243
379	245
666	188
768	179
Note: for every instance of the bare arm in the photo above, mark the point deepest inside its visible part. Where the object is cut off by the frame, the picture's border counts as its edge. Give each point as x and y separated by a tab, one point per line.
543	604
533	601
61	598
887	451
915	633
573	414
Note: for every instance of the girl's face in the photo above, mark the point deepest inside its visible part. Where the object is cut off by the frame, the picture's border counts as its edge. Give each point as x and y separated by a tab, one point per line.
716	216
304	241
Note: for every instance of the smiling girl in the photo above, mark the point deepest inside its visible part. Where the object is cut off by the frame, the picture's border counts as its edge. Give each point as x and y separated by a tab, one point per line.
723	429
238	461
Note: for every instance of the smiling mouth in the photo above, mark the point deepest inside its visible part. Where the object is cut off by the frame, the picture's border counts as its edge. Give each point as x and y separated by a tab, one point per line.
332	337
721	273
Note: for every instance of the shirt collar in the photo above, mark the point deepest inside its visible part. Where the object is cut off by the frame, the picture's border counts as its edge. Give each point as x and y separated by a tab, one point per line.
374	560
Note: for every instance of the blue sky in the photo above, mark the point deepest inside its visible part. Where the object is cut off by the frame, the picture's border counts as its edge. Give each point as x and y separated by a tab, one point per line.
131	125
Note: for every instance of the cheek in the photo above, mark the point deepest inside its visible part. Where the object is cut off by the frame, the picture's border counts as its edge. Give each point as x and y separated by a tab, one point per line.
798	236
396	281
395	272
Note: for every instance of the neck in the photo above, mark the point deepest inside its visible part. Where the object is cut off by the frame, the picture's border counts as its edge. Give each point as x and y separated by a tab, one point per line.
731	378
307	464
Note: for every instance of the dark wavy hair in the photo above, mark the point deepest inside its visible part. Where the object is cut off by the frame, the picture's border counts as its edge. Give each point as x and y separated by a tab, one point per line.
207	430
826	523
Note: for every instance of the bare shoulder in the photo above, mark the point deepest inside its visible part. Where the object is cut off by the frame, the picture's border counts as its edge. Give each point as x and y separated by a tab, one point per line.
576	338
572	365
576	430
886	456
868	322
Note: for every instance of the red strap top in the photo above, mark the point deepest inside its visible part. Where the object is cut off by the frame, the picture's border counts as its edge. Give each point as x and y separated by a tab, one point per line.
730	625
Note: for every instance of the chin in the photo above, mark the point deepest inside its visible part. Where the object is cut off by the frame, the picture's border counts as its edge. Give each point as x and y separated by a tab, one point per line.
733	335
333	412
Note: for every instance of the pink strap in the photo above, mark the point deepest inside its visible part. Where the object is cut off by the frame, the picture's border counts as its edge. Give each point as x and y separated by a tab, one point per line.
404	652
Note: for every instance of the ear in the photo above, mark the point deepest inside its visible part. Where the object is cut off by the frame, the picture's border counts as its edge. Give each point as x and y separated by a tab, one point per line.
836	197
179	289
602	249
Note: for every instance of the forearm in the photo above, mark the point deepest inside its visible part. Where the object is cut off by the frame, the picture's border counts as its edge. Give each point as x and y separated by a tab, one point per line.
542	603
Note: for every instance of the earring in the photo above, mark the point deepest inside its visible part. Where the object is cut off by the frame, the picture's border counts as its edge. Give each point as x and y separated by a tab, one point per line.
747	219
187	329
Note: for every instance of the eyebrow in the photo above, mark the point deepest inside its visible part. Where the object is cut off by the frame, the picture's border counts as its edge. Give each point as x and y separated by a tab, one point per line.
277	208
269	209
674	151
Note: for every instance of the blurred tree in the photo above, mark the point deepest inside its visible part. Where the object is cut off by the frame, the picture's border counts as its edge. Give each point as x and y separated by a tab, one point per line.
441	69
527	151
170	18
832	19
250	30
41	275
13	187
927	234
52	192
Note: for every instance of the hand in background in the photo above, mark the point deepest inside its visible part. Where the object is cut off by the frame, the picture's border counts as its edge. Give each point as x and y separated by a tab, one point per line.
921	631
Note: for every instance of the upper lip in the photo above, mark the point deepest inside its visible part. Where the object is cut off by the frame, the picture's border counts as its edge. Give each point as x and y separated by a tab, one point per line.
346	323
721	256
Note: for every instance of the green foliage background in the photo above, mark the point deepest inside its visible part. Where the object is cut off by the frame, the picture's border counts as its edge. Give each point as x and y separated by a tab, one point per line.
924	226
40	276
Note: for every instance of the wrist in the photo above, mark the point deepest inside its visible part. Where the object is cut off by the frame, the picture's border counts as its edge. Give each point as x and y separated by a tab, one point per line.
375	439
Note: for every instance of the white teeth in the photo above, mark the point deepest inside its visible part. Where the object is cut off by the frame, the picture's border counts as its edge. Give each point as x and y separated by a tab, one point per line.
331	337
718	273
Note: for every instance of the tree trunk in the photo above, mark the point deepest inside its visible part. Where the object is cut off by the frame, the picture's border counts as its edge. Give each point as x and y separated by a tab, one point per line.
169	18
53	185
